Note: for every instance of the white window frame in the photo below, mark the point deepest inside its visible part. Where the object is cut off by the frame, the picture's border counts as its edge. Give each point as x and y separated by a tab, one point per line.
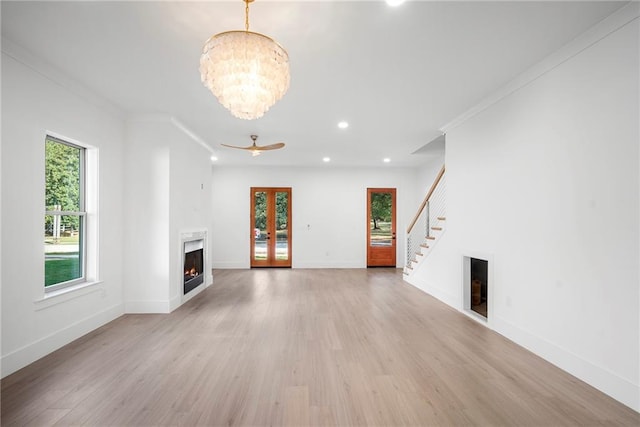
81	213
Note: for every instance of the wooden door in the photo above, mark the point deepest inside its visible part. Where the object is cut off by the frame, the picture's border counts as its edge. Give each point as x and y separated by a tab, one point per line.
381	227
270	227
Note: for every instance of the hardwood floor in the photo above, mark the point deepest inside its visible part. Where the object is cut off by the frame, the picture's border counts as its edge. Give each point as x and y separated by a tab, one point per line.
302	347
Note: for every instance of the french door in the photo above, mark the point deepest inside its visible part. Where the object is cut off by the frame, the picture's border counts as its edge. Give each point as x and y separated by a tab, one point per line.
381	227
270	227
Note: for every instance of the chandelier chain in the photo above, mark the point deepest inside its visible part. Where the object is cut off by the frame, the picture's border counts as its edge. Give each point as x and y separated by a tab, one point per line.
246	15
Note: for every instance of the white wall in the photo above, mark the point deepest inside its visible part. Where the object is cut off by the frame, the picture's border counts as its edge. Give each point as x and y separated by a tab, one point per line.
328	212
146	249
426	175
33	105
545	183
191	208
168	180
153	183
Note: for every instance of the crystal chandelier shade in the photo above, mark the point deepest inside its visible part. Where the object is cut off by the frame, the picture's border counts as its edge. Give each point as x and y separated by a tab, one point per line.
248	72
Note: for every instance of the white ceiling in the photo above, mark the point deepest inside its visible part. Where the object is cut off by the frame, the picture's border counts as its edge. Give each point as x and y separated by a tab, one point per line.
396	75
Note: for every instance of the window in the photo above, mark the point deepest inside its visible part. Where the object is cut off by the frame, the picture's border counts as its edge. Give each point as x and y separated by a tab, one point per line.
65	214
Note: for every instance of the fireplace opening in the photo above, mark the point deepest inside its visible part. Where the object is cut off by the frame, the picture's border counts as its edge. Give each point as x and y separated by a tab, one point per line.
478	285
193	265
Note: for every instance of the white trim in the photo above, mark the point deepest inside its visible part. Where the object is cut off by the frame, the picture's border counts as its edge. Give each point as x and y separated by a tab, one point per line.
166	118
65	294
91	223
58	77
438	293
176	301
465	290
329	264
230	265
597	376
65	213
147	307
28	354
612	23
186	236
191	134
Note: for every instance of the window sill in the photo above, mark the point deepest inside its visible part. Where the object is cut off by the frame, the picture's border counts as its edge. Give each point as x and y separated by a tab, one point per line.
52	298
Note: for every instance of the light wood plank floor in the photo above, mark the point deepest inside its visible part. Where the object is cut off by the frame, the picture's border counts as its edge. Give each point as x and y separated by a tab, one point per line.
302	347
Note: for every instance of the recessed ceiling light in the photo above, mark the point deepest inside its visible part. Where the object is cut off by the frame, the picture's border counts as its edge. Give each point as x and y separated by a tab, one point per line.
343	125
214	159
395	3
326	159
386	160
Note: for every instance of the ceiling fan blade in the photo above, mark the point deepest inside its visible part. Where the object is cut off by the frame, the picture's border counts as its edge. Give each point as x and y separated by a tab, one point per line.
275	146
251	147
257	149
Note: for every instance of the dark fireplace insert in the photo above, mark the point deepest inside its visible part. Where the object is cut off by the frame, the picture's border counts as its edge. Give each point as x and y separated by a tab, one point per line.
193	269
479	278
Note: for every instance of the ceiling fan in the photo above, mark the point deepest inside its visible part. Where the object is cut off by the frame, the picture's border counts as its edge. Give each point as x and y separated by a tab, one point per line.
257	149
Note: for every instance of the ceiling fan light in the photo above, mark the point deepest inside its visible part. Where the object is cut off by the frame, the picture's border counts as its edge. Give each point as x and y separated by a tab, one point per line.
395	3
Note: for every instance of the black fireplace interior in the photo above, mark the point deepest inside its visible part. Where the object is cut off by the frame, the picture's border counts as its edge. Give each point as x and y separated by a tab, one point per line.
479	273
193	269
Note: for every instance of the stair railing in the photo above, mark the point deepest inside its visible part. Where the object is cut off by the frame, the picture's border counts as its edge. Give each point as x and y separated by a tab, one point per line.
430	214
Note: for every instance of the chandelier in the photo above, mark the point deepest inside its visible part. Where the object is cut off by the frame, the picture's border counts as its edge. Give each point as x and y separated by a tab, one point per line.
248	72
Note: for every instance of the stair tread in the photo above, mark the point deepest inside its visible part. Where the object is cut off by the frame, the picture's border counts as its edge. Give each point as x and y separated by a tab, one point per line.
431	238
442	218
436	228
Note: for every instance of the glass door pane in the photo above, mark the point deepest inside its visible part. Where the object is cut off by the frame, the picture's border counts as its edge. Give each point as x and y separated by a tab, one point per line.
260	226
380	219
282	225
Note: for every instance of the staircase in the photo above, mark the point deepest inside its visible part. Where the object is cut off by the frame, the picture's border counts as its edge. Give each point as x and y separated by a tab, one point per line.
427	226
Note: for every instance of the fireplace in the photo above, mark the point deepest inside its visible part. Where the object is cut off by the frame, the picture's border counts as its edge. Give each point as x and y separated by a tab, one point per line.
476	285
479	278
193	265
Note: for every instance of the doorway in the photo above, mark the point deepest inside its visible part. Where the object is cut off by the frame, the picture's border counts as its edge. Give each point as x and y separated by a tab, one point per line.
381	227
270	227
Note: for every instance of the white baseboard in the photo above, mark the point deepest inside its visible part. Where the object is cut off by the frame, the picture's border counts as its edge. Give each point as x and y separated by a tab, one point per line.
328	264
144	307
230	265
174	303
195	291
601	378
445	297
28	354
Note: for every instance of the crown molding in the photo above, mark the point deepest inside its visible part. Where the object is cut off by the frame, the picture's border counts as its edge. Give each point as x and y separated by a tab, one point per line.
617	20
191	134
168	119
59	77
